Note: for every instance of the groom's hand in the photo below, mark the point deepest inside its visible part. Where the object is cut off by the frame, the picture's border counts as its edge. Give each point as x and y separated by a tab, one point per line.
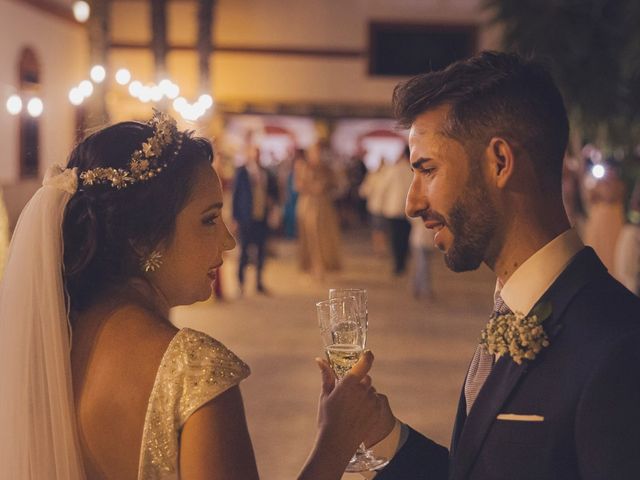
384	425
385	418
346	412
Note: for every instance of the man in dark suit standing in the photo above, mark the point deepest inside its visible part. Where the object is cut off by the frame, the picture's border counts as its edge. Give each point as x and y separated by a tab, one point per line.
255	192
553	390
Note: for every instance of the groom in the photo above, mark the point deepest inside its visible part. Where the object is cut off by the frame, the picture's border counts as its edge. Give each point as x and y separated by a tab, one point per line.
487	139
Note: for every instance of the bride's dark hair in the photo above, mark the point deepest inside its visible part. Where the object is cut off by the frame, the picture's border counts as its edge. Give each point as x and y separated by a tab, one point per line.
105	229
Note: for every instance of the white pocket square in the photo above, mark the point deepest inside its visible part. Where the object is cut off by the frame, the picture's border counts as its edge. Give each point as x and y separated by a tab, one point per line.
516	417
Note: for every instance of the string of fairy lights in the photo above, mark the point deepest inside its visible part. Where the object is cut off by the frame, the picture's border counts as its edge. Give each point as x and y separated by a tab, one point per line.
144	92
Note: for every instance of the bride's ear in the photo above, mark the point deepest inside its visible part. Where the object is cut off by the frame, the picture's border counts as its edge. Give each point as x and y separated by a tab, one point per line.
138	249
143	250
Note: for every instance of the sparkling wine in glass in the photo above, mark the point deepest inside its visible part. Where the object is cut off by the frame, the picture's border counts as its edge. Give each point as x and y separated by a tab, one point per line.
341	333
343	326
342	357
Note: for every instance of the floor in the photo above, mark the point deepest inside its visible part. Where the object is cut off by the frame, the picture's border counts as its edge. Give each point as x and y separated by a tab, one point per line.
422	347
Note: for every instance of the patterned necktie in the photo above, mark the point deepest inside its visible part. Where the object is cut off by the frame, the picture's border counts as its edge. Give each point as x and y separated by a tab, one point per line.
482	361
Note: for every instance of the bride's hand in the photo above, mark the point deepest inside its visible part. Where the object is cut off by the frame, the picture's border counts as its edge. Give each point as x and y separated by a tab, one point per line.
349	409
346	413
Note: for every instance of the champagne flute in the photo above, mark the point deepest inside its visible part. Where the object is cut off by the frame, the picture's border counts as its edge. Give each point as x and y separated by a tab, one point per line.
360	295
343	325
341	333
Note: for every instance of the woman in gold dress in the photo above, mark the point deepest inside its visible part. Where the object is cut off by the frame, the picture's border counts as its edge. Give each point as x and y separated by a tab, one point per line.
131	227
318	227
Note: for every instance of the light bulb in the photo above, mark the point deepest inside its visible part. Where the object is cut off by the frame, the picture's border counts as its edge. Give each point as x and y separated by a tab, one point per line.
98	73
81	11
173	91
145	94
180	104
123	76
35	107
598	171
199	110
165	86
205	100
86	88
75	96
135	88
14	105
156	93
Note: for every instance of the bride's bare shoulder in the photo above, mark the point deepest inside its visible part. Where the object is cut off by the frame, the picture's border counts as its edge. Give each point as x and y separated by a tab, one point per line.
123	333
116	352
136	331
133	320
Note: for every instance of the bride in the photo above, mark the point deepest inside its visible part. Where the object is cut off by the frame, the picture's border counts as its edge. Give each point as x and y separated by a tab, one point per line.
95	381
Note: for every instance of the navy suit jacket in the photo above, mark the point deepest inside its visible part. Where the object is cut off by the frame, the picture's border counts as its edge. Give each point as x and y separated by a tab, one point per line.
585	384
243	195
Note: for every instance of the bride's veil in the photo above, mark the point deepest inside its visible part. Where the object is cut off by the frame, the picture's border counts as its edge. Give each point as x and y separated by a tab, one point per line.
38	434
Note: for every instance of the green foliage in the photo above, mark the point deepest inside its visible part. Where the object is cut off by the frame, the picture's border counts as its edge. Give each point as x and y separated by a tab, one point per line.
593	50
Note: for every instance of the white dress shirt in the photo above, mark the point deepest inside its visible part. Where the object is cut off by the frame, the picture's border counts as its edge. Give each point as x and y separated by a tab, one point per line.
534	277
520	293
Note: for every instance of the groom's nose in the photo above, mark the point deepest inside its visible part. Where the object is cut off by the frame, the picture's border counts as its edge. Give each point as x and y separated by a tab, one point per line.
417	200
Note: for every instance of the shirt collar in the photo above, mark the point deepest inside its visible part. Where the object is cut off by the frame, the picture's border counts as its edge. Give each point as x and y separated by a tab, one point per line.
534	277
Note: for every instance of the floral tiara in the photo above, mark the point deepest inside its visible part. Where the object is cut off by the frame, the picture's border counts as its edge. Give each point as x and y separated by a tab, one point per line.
145	163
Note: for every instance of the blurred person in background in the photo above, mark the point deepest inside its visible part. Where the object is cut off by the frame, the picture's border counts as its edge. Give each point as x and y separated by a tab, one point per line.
255	193
357	173
289	221
395	184
318	224
372	191
605	210
627	255
351	207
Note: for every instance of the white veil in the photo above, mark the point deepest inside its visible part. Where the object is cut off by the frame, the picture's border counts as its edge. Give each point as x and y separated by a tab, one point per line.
38	433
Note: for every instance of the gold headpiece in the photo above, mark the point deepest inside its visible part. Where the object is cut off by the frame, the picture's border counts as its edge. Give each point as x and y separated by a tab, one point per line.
145	163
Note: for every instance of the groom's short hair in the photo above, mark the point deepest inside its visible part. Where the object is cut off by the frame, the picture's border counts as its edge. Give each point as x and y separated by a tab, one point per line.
494	94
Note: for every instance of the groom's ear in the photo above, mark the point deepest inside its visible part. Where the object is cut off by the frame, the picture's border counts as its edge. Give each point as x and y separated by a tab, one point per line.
501	161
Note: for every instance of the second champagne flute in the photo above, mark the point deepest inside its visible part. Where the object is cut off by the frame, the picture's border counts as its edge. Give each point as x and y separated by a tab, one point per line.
364	459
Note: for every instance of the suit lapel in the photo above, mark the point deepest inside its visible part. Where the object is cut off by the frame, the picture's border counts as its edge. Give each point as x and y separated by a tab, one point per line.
461	418
469	433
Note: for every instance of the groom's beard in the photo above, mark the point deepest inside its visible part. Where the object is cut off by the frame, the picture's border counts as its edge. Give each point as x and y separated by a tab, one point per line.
472	221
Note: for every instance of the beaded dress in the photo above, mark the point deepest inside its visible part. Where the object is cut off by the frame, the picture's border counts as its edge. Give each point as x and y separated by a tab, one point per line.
194	369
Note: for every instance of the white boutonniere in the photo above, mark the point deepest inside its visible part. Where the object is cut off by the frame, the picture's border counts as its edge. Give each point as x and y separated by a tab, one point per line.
517	335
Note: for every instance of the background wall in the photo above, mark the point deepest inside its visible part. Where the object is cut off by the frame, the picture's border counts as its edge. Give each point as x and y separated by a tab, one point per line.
303	54
326	25
60	46
282	50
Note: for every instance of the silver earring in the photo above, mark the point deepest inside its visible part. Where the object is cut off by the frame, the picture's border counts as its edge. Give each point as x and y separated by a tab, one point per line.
151	262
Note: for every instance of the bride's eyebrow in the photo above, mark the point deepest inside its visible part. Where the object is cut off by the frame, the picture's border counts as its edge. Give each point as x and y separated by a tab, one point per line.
217	205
